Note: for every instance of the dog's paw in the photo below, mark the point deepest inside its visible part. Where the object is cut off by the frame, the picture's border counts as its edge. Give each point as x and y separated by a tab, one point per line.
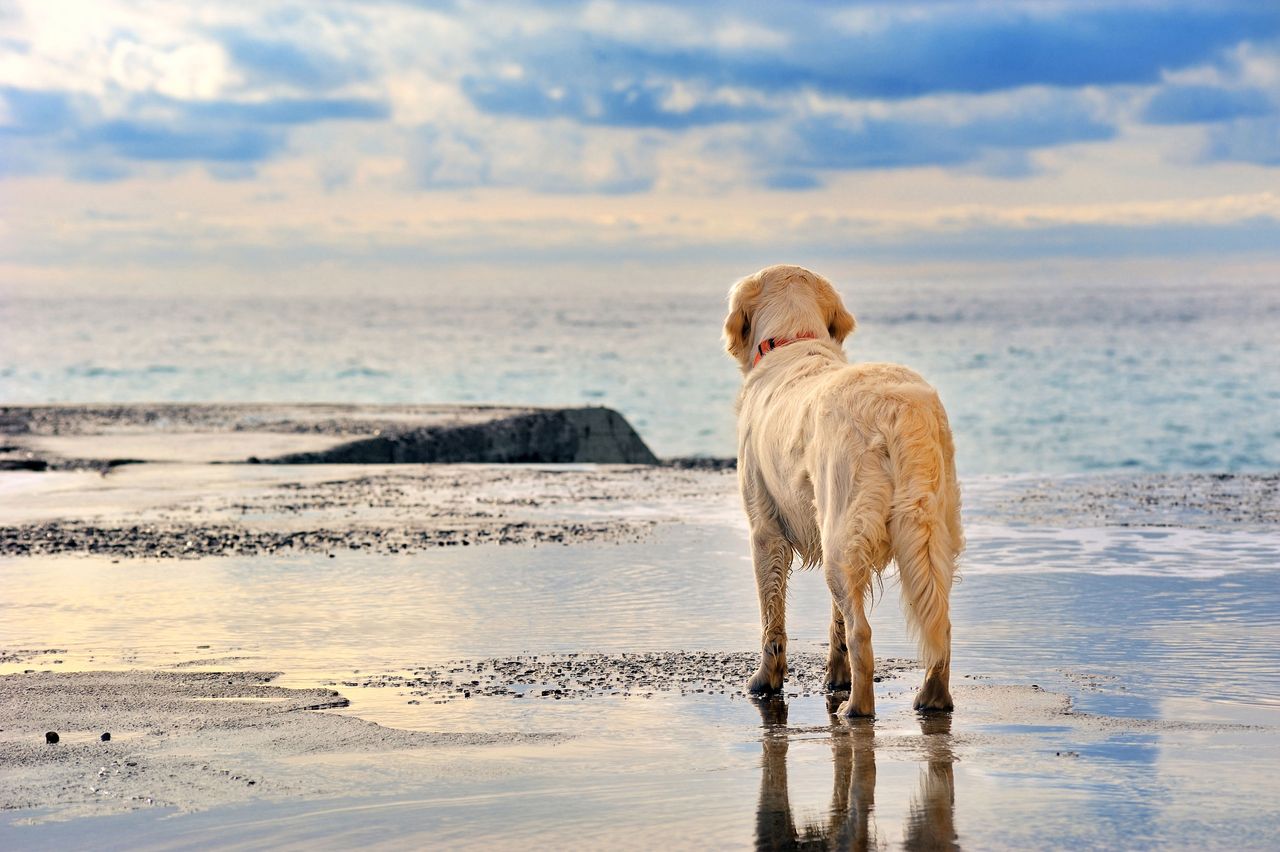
837	678
765	682
837	682
933	698
852	709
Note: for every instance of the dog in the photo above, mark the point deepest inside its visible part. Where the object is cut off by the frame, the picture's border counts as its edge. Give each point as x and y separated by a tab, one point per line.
848	466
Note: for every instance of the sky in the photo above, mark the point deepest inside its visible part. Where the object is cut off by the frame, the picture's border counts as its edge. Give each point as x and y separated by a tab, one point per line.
247	146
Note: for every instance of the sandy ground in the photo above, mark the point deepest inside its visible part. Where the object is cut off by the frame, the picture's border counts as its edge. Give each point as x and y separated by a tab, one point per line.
195	510
1185	500
185	740
208	510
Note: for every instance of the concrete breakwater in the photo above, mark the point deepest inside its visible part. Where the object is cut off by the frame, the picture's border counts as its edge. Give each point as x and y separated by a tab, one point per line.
103	435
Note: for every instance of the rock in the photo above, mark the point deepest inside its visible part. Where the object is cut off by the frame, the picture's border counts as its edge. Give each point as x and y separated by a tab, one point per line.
51	737
349	434
23	464
106	736
594	435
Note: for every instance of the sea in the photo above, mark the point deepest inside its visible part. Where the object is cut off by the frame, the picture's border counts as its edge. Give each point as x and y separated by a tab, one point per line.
1038	378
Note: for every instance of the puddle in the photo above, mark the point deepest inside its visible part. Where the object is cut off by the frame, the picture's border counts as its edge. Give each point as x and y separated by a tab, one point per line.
636	653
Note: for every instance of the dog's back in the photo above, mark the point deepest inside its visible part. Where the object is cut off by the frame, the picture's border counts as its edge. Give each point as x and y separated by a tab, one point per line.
812	429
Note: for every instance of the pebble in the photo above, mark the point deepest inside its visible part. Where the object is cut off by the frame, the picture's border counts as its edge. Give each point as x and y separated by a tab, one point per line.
106	736
51	737
557	677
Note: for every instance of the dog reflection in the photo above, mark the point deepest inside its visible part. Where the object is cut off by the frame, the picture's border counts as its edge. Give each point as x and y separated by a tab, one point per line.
851	824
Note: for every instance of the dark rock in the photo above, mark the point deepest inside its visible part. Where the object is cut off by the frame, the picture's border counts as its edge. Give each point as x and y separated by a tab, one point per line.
51	737
701	463
106	736
372	434
23	464
584	435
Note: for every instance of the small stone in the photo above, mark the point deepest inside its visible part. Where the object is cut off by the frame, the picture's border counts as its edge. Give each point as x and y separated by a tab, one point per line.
51	737
106	736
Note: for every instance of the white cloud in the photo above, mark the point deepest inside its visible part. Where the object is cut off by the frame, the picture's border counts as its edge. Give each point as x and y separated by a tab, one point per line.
195	70
663	145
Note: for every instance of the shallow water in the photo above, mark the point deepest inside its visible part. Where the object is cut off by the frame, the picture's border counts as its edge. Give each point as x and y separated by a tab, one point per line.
1096	376
1175	627
1171	611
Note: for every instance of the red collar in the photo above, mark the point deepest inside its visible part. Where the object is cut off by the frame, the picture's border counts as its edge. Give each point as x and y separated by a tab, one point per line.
773	343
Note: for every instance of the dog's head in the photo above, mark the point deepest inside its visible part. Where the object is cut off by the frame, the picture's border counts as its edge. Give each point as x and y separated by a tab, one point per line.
782	301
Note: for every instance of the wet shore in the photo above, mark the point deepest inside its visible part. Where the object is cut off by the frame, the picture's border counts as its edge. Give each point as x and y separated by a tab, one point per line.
397	654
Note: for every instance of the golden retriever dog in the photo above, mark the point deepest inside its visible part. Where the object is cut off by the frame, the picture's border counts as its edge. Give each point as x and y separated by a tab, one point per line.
849	466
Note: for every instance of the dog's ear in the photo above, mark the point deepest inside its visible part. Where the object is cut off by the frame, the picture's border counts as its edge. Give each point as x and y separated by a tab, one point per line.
737	326
841	323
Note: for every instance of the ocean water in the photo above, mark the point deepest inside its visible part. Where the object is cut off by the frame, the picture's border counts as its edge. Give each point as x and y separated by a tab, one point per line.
1097	376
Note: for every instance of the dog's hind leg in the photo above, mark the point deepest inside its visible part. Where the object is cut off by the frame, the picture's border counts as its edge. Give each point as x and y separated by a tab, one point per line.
862	700
837	679
853	507
927	538
771	555
926	564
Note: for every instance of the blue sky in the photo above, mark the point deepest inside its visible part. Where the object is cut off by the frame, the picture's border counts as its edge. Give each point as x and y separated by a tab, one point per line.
317	141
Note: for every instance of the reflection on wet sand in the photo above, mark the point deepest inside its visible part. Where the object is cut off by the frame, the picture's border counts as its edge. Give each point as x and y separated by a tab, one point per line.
851	823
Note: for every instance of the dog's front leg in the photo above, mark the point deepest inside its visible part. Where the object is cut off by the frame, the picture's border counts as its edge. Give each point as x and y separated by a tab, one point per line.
837	679
771	555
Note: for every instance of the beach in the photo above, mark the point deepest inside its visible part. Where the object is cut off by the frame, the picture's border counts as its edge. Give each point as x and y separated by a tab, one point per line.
497	655
374	379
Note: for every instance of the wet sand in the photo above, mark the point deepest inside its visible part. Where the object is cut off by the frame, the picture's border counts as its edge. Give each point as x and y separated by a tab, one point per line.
308	629
193	510
185	740
197	510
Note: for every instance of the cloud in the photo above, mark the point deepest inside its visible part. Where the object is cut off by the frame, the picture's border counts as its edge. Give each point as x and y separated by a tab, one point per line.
25	112
1204	104
838	142
1254	141
899	53
1212	228
284	61
450	159
25	117
622	104
610	98
556	160
958	50
791	180
232	136
285	110
153	142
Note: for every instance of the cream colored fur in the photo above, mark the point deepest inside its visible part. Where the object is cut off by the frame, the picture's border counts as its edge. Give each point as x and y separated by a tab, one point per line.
849	466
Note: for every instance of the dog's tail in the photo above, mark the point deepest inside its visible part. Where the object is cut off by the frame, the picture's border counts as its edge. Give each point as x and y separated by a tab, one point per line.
924	520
